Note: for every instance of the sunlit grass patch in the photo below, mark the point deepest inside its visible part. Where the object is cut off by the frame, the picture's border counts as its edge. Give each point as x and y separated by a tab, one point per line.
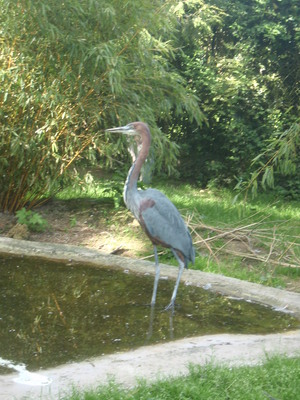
257	240
277	378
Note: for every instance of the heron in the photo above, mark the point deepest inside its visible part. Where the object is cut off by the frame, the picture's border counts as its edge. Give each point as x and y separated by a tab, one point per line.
156	214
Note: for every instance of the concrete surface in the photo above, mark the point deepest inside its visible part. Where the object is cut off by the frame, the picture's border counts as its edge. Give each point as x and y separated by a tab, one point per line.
156	361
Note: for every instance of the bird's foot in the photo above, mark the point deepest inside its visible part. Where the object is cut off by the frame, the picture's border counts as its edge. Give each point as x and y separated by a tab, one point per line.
170	307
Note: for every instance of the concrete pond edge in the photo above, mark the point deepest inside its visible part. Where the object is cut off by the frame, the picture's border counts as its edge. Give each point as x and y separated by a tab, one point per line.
161	360
276	298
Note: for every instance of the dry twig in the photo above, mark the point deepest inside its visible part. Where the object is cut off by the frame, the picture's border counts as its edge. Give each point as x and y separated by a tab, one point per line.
255	241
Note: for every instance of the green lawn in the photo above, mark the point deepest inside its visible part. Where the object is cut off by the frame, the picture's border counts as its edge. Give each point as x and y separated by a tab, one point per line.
270	232
277	379
274	227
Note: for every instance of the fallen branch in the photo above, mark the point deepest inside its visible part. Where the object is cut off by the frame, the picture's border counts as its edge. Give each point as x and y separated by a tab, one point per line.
277	248
261	259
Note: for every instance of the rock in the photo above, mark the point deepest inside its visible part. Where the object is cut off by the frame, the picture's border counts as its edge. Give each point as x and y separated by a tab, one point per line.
19	231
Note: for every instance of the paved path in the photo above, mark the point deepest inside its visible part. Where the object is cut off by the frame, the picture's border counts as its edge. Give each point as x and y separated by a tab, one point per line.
154	362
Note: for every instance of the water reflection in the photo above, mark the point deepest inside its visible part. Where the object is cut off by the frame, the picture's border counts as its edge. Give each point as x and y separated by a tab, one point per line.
53	313
170	313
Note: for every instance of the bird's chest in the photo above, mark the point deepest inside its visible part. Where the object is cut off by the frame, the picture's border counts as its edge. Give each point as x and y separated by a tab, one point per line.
140	206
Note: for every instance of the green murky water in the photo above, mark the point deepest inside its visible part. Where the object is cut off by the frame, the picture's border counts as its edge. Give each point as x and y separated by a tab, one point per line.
54	313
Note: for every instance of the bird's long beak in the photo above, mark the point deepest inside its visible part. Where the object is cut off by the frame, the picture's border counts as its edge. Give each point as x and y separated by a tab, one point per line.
127	129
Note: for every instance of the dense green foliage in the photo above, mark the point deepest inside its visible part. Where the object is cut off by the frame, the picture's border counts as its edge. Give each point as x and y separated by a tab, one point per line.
242	60
282	157
69	69
32	220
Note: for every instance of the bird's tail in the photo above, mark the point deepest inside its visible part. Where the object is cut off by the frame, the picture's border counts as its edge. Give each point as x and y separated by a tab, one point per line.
189	258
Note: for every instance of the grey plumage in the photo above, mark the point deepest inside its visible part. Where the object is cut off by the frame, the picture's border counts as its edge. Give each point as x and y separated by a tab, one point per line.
156	214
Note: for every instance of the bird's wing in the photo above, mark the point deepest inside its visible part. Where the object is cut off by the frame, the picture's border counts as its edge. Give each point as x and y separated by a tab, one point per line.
163	222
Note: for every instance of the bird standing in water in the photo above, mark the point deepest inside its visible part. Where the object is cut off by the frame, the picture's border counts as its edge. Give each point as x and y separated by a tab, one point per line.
156	214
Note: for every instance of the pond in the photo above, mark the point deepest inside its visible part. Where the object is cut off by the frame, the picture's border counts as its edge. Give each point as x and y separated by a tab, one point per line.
52	313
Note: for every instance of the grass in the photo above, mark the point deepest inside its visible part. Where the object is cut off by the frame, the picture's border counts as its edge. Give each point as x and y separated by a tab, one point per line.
215	208
277	379
277	222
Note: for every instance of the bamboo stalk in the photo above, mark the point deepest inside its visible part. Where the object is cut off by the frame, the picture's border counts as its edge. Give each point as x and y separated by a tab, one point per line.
272	246
207	246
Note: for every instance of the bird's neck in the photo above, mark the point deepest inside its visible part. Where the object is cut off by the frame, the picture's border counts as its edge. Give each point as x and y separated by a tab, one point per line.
130	187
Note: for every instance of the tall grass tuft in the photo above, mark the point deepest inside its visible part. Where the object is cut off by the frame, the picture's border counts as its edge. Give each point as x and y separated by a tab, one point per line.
278	379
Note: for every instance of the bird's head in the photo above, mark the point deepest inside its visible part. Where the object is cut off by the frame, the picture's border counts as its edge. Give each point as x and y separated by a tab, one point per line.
132	129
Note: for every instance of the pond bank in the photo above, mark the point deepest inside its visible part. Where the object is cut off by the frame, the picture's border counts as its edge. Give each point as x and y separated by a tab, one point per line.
277	298
156	361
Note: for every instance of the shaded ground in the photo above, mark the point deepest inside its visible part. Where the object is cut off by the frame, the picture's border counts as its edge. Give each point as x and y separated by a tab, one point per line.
94	224
83	223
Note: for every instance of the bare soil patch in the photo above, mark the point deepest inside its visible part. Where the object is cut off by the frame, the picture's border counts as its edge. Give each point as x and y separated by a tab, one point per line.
93	224
84	222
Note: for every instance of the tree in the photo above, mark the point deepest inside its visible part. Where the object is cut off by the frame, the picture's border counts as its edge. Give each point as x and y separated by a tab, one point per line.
282	160
242	60
69	69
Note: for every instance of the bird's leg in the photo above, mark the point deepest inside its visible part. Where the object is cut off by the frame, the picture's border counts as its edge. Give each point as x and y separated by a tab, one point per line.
156	279
150	330
181	268
171	325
